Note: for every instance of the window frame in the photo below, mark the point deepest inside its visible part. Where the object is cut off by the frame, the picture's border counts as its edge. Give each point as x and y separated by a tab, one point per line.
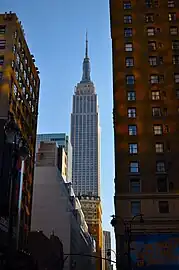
129	61
127	19
153	63
127	5
176	78
133	148
134	207
160	208
131	113
160	166
172	32
156	112
130	79
152	32
127	47
159	147
128	32
131	96
134	169
149	18
131	131
160	129
135	188
171	3
2	29
172	16
157	96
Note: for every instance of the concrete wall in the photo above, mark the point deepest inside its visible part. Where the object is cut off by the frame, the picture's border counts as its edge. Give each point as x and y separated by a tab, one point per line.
51	209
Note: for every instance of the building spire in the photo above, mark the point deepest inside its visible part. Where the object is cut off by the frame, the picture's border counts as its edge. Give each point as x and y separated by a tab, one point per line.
86	54
86	64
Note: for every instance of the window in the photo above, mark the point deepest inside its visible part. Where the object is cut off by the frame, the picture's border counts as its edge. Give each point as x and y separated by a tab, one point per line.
175	59
156	111
151	3
2	44
151	31
172	17
149	18
134	167
131	96
157	129
162	184
135	208
129	61
133	148
173	30
135	185
171	3
127	19
130	79
128	47
155	95
154	79
128	32
153	60
1	60
176	76
131	112
159	147
175	45
148	3
132	130
163	207
152	45
177	93
127	5
160	166
2	29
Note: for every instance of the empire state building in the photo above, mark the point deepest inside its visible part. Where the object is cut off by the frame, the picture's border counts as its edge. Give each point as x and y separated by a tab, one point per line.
85	135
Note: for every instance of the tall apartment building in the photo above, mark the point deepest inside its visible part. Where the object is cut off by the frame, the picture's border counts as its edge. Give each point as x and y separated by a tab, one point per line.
19	96
85	139
55	208
63	141
145	45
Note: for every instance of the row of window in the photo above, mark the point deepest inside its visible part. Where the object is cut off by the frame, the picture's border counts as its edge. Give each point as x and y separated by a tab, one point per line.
149	18
151	31
154	79
135	168
159	148
153	45
163	207
155	95
157	129
162	185
156	112
153	61
149	4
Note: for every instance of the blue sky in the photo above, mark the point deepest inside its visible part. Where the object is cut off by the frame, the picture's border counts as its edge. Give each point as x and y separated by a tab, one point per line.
55	32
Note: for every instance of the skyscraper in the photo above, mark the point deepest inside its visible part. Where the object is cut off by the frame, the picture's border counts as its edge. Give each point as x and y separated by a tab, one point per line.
85	135
145	46
19	96
85	140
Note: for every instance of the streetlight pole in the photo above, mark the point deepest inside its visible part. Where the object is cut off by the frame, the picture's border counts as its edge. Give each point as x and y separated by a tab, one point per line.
128	231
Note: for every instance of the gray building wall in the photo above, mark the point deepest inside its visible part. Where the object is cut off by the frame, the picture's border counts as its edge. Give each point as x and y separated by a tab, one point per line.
53	210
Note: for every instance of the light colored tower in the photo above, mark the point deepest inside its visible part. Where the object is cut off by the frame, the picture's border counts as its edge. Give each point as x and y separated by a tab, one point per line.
85	135
85	140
